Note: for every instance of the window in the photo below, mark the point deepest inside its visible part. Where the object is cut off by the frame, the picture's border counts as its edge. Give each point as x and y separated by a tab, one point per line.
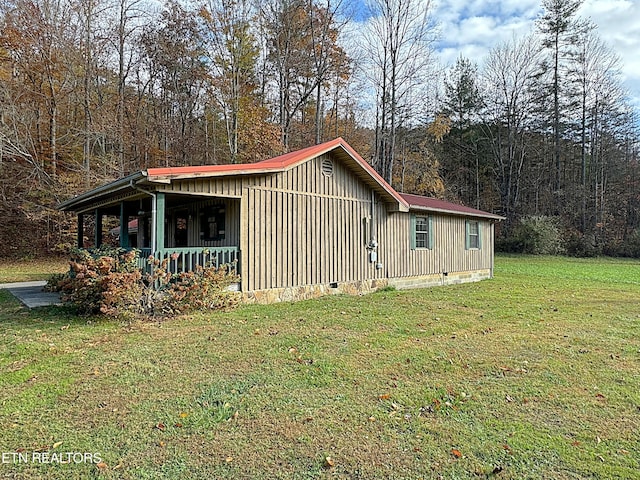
473	235
181	229
212	224
421	232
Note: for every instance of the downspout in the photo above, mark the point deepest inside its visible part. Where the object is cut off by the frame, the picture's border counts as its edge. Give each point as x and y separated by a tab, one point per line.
374	225
154	214
373	242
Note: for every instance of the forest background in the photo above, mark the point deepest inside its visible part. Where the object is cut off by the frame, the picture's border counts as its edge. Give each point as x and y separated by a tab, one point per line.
540	131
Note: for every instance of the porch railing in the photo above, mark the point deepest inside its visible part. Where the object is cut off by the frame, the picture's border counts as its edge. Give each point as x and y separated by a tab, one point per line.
188	258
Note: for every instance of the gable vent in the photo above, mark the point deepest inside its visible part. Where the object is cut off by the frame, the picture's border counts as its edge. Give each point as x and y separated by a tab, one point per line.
327	167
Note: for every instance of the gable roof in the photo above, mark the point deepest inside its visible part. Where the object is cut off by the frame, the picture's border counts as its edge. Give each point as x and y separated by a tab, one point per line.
429	204
338	148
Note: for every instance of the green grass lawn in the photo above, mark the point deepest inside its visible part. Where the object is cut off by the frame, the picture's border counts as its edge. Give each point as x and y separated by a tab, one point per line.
27	270
534	374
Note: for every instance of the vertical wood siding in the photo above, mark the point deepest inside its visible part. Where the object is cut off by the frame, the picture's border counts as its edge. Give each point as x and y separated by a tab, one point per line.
447	255
304	228
300	227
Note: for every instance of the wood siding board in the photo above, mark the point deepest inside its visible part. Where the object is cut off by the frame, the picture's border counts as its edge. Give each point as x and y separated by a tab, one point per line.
286	257
265	241
279	246
340	218
243	227
354	256
323	240
308	262
269	239
317	236
301	246
251	239
348	253
331	235
257	234
292	213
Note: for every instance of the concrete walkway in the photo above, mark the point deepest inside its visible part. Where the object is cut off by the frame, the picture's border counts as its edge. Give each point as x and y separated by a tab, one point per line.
31	294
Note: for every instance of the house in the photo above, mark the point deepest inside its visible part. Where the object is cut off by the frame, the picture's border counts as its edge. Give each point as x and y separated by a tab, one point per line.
310	222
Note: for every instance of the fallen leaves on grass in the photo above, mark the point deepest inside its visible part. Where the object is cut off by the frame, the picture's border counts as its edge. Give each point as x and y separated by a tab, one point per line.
456	453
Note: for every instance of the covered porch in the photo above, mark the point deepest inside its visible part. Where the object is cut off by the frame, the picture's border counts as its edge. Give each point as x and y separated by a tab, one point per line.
184	230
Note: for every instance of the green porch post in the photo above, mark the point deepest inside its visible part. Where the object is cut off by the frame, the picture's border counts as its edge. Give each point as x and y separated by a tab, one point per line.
157	235
98	234
80	240
124	226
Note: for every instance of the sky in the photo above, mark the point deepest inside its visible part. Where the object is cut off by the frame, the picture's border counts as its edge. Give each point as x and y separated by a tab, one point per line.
473	27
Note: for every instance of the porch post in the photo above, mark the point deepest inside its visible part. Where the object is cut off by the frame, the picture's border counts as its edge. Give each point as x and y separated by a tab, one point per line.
98	233
124	226
157	222
80	240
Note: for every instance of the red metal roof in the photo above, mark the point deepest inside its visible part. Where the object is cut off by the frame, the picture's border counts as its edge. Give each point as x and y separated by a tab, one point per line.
280	163
276	163
437	205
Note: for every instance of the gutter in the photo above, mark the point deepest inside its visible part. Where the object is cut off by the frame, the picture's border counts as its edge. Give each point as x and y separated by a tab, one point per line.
489	216
114	186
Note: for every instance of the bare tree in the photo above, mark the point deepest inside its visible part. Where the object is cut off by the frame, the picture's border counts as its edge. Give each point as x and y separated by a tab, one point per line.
128	20
303	51
398	41
559	28
509	78
597	72
233	53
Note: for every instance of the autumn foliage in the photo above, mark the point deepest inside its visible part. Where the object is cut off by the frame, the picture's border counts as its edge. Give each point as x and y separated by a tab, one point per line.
111	282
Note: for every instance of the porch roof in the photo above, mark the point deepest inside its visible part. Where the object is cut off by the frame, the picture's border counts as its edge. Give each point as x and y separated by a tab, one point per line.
429	204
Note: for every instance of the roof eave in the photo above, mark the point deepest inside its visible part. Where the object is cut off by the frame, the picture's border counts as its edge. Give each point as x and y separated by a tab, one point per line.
458	213
166	179
399	203
120	184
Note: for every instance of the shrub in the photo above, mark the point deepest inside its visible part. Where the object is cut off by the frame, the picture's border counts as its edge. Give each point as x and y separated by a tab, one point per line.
110	281
538	235
583	245
202	289
630	247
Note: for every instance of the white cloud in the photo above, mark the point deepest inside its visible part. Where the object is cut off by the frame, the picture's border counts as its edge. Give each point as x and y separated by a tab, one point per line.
473	27
619	25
